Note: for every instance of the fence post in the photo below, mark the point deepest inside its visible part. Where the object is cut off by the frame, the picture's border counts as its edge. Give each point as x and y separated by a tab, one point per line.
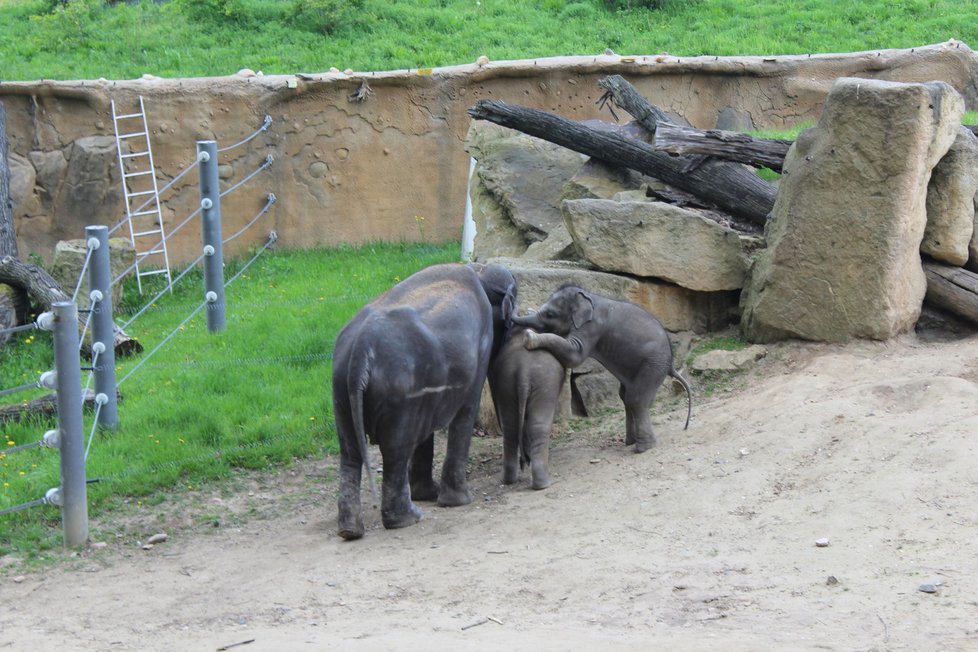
210	204
103	332
74	492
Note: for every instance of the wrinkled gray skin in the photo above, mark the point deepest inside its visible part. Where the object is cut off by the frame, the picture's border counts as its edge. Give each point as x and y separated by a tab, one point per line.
575	324
409	363
525	388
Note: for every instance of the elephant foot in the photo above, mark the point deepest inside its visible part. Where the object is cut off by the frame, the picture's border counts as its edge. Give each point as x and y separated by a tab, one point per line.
427	490
510	475
409	516
629	439
643	445
541	478
454	497
350	526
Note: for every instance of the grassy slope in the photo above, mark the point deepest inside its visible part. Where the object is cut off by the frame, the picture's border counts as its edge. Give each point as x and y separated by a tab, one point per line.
88	41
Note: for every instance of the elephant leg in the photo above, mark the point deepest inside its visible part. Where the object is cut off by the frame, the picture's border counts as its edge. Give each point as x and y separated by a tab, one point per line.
629	421
511	457
454	489
396	508
350	521
423	485
539	423
638	399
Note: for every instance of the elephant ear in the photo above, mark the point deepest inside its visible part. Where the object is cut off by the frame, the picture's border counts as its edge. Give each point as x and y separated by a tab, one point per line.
583	310
508	306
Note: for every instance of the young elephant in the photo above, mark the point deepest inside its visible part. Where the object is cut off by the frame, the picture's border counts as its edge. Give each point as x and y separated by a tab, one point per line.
625	338
525	388
411	362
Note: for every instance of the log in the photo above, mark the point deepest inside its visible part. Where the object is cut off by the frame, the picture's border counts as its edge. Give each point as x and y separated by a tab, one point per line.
44	406
739	193
45	291
952	288
728	145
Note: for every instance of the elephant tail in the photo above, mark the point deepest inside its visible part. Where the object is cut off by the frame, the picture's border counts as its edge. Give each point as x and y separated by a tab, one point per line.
357	380
522	445
689	394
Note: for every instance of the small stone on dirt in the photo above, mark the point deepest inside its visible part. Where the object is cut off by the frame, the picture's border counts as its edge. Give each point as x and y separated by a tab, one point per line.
19	579
596	460
929	587
98	545
822	543
832	580
159	537
148	546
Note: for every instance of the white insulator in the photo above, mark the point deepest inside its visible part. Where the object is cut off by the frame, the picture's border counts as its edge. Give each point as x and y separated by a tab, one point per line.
209	250
203	157
51	439
53	496
206	203
95	296
49	379
101	398
98	348
93	243
45	321
211	297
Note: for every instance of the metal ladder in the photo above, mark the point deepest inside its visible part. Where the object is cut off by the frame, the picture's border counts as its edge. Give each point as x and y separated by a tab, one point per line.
140	192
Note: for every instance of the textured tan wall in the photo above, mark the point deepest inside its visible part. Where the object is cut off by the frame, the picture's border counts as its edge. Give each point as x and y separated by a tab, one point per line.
359	171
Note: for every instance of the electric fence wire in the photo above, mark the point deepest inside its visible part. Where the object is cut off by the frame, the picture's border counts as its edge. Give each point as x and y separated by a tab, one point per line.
266	123
149	304
268	161
22	447
18	329
88	320
268	204
272	237
146	203
166	339
21	388
17	508
91	434
81	275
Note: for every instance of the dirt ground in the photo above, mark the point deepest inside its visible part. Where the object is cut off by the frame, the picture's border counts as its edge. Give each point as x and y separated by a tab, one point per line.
706	542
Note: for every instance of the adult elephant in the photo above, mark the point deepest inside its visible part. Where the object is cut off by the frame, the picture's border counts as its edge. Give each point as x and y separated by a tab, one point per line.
409	363
629	341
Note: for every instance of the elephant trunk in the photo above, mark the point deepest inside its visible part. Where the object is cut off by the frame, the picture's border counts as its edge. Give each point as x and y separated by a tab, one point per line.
531	320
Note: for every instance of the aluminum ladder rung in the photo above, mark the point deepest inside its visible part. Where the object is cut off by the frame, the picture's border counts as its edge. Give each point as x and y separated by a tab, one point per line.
130	175
139	234
151	272
143	213
129	115
134	154
141	193
132	135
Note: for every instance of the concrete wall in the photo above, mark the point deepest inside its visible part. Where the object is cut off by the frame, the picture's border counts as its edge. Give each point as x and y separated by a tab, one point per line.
392	166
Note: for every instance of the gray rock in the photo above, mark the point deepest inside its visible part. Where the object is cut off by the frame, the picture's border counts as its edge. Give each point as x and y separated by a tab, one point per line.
69	258
655	239
677	308
51	167
951	202
826	275
93	160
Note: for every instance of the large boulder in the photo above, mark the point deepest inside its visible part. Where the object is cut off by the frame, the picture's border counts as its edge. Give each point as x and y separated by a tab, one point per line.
951	202
522	178
677	308
843	243
655	239
68	267
91	185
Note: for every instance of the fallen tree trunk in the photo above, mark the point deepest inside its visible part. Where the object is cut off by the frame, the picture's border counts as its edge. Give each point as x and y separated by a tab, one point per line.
952	288
728	145
731	188
43	406
44	291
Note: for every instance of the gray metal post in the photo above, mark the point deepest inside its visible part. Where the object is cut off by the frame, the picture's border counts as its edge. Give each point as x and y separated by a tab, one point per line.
103	333
210	204
74	492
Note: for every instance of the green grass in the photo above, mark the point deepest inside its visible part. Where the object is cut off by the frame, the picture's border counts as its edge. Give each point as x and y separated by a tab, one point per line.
254	396
89	39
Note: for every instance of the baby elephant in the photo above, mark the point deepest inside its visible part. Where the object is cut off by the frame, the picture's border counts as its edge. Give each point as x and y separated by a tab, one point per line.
575	324
525	388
